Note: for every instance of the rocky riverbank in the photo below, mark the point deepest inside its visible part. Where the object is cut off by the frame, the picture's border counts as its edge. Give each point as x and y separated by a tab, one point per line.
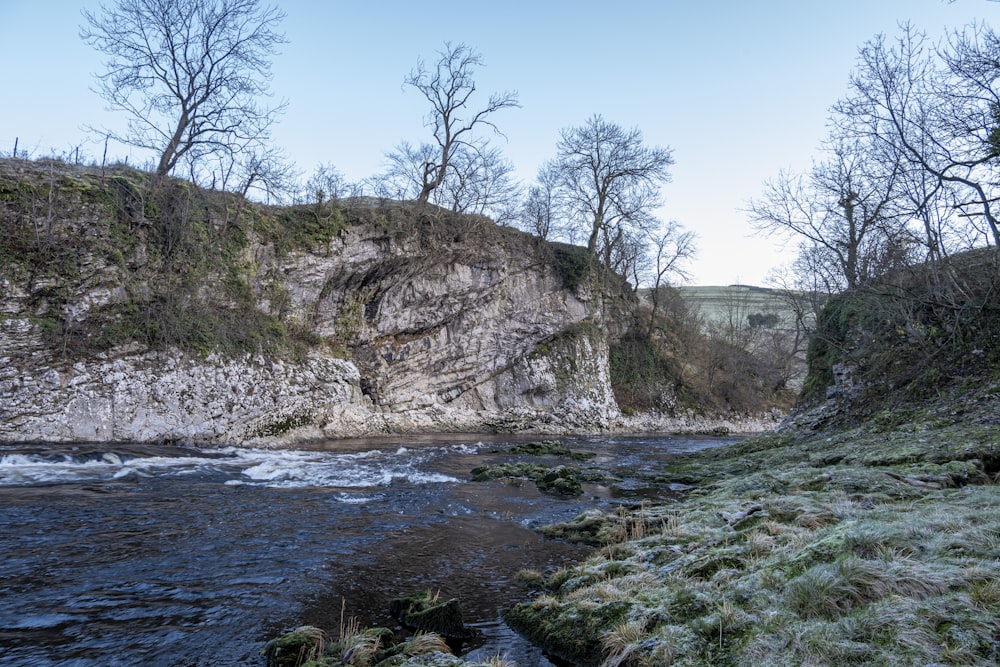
872	544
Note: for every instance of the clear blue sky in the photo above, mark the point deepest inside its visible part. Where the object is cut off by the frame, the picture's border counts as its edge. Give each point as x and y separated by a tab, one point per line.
738	89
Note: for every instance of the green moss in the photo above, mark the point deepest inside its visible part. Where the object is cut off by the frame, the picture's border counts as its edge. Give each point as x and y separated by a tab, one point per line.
569	634
294	649
574	264
285	425
176	256
303	228
640	374
549	448
350	320
557	480
425	611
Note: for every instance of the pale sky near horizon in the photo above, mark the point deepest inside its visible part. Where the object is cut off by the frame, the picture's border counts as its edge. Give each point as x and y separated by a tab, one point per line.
738	90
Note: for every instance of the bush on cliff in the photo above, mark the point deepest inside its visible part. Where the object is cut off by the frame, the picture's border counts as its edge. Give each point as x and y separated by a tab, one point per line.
918	332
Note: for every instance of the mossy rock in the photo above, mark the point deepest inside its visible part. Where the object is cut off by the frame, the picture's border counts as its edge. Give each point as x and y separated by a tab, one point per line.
423	611
557	479
570	632
507	470
591	527
549	448
561	480
293	649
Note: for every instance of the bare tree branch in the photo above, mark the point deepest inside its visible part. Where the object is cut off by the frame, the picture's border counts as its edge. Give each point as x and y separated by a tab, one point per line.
449	87
607	177
189	73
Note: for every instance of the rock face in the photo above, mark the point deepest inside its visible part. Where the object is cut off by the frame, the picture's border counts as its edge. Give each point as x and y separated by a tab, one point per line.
474	330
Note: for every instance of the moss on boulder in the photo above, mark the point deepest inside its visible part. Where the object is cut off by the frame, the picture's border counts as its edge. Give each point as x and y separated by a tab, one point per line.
549	448
426	611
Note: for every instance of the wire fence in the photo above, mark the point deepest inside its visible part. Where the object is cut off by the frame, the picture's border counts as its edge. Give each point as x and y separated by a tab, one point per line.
92	152
25	149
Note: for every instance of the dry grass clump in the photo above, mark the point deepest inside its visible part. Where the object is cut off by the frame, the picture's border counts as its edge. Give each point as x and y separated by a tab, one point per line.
423	643
532	578
357	647
624	643
361	647
317	640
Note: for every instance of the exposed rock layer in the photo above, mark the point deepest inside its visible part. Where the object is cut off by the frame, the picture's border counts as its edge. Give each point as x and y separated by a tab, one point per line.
431	329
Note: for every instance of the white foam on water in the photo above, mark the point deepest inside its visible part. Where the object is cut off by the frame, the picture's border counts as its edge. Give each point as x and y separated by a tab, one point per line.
22	469
323	469
349	499
465	448
258	467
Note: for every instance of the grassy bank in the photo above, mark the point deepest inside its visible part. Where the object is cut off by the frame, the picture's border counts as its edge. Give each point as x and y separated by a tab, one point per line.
877	544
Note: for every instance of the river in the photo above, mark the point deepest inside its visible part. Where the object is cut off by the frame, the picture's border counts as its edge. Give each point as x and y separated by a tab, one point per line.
132	554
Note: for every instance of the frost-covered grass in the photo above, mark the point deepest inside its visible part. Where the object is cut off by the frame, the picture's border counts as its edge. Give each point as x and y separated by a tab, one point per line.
875	545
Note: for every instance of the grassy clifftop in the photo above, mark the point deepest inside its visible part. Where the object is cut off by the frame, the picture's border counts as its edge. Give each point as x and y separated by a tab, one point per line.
101	258
172	265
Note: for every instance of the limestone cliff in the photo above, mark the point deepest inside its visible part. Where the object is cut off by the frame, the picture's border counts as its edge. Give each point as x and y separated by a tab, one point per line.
353	320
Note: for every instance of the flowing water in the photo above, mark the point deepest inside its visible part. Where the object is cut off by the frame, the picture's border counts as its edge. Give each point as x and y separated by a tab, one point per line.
158	555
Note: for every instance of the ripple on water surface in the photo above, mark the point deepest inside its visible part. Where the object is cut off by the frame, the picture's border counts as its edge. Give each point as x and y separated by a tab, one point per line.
131	554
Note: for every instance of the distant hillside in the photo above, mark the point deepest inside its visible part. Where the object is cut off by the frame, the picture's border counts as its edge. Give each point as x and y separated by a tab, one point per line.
740	303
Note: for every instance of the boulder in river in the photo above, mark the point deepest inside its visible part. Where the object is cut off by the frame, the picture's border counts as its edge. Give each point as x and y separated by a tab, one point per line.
426	611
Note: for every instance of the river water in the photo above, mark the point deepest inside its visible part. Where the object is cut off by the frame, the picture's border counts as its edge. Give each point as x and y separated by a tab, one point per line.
160	555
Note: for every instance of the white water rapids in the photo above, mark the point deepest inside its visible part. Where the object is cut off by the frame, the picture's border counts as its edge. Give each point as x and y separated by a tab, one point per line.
257	467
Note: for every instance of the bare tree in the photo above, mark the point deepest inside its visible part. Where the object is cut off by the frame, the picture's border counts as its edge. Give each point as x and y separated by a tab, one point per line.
629	257
449	87
846	209
403	177
481	183
539	211
938	108
480	179
327	183
804	296
672	248
190	73
607	177
266	173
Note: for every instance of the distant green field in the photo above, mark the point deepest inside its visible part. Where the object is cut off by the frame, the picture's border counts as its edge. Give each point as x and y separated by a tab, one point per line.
741	303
